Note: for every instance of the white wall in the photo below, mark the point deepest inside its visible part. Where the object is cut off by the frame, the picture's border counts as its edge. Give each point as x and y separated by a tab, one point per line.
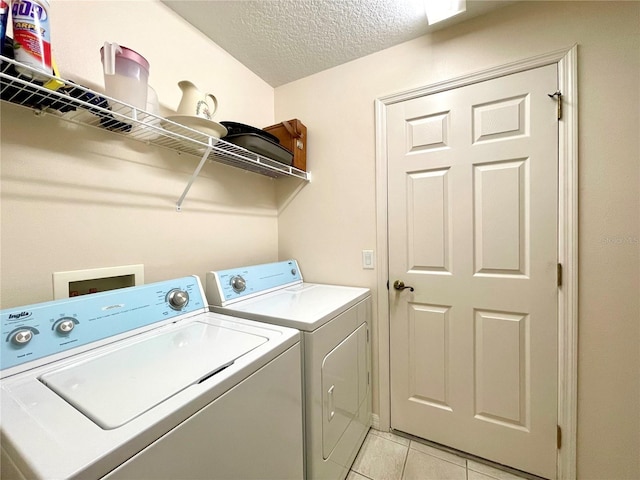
334	217
76	198
79	198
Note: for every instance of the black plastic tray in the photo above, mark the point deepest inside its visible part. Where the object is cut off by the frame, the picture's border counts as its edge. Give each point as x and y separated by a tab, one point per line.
258	144
235	128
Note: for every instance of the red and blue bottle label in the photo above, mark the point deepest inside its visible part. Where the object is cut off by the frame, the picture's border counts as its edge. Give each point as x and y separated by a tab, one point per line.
32	36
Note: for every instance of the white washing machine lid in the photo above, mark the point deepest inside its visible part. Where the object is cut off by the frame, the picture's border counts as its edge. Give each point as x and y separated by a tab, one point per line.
116	387
306	306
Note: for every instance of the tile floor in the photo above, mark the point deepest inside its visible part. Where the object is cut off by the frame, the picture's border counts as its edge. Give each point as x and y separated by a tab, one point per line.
385	456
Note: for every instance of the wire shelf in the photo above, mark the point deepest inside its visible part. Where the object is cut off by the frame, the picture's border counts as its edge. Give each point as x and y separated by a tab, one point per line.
78	104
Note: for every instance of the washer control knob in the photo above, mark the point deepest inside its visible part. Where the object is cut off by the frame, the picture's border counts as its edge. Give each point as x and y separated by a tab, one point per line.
21	337
238	284
177	299
64	326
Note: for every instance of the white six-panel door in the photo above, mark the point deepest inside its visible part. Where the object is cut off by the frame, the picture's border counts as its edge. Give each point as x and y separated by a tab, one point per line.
472	202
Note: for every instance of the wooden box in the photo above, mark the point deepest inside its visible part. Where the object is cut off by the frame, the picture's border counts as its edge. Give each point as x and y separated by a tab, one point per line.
293	136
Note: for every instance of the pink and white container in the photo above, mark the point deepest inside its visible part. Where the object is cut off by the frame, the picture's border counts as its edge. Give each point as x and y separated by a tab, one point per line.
126	74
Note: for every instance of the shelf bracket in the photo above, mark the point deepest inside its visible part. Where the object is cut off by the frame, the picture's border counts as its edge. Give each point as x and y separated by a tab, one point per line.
194	176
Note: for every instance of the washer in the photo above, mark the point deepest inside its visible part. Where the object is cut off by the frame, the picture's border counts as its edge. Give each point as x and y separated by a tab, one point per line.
146	382
335	323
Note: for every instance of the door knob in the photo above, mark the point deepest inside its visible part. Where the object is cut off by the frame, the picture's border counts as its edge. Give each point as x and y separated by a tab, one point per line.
399	285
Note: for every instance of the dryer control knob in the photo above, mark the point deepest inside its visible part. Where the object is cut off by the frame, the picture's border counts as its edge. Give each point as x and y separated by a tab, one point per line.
21	337
238	284
177	299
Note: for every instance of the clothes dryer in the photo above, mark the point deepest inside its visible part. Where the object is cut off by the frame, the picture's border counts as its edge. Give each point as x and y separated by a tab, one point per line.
335	322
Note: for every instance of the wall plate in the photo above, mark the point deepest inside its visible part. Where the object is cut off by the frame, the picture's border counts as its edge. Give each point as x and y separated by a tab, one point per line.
82	282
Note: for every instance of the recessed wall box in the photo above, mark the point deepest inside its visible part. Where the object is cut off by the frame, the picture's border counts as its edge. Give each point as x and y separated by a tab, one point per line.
82	282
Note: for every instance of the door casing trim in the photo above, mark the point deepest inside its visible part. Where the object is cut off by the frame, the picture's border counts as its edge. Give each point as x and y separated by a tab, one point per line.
567	62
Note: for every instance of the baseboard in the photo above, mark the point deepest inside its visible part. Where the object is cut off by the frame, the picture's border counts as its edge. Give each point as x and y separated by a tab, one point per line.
375	421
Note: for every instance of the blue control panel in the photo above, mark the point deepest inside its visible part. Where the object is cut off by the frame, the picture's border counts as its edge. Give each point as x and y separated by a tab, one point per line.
229	285
36	331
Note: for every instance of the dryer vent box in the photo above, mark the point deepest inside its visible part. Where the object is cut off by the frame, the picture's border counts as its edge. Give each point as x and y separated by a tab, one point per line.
82	282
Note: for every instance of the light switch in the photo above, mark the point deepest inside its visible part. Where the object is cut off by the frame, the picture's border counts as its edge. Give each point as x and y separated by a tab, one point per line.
368	260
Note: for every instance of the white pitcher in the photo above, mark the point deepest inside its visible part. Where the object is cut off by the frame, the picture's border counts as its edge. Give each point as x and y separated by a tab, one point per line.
196	103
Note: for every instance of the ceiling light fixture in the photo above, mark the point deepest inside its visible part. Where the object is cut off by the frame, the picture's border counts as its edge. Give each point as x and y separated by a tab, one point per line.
438	10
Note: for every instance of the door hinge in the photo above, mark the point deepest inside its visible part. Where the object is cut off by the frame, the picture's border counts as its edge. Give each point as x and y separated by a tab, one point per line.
558	94
559	274
387	284
559	437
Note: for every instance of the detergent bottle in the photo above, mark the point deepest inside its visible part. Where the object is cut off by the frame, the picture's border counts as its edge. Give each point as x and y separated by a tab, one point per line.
32	38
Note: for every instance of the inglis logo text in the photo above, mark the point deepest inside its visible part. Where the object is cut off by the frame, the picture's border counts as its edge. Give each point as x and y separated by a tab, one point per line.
19	316
26	8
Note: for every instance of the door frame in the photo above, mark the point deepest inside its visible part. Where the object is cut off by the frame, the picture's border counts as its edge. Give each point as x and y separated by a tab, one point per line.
566	60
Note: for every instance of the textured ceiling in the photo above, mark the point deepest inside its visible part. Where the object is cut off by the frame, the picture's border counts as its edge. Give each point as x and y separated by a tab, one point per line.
284	40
